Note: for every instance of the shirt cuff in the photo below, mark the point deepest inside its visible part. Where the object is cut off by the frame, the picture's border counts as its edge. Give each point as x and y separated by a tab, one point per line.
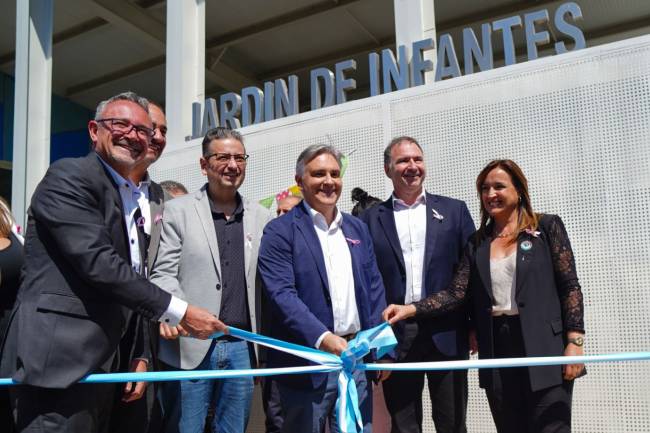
175	312
320	339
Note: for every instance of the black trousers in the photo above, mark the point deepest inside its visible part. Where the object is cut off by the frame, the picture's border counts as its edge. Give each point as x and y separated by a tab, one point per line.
515	407
447	390
83	407
145	414
272	405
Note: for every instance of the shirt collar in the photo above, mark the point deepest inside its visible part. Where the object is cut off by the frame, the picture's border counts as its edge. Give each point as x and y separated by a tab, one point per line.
319	219
146	180
239	209
421	199
119	180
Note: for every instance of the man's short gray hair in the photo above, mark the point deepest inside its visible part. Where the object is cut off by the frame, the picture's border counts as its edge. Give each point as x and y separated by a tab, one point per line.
312	152
125	96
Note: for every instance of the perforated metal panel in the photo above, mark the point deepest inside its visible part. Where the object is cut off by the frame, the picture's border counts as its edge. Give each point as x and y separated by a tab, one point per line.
578	125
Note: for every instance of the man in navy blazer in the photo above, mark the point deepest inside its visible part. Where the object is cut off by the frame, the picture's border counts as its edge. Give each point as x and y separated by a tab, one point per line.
419	238
323	285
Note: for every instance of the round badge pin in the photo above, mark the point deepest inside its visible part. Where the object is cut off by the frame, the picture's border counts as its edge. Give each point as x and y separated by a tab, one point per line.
526	245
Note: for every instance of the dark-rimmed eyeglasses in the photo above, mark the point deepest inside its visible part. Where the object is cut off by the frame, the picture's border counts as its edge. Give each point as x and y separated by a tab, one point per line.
123	127
224	158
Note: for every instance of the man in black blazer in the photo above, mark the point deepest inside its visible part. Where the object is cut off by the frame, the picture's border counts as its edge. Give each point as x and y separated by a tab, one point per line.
418	239
81	280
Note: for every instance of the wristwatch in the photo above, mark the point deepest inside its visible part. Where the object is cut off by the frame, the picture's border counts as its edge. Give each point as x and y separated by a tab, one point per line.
578	341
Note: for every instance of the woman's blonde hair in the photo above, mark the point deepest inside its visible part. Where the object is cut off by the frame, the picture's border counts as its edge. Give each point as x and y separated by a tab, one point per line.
528	219
6	219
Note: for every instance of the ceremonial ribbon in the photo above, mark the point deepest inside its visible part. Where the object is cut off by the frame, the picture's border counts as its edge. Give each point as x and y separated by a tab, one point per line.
380	338
348	415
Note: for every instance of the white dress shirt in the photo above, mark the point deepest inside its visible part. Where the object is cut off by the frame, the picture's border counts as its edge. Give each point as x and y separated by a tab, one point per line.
338	265
411	225
132	198
143	203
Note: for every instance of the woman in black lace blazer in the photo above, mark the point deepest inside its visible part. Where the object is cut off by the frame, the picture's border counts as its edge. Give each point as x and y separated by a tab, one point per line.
518	275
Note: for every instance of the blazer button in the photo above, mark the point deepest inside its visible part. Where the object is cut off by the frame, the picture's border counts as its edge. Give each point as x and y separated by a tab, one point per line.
218	286
522	304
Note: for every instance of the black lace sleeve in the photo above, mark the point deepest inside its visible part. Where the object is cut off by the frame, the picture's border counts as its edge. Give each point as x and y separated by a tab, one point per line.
449	299
566	277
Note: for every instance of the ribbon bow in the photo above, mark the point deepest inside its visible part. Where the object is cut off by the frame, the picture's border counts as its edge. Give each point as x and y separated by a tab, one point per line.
381	338
348	415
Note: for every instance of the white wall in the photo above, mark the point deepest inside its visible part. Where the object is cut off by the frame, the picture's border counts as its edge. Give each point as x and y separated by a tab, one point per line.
579	126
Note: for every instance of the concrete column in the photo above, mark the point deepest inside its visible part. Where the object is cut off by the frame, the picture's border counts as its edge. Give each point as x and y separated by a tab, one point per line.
415	21
185	67
32	103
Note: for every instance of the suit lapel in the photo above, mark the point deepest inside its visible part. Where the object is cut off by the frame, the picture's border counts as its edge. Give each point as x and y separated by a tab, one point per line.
249	235
156	202
116	201
525	247
483	265
306	228
433	227
387	221
357	256
202	206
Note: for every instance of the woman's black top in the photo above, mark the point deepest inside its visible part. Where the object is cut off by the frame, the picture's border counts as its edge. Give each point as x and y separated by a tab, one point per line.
11	262
564	270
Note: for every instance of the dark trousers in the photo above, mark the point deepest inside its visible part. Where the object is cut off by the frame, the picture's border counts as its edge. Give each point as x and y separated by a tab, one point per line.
140	416
311	410
145	414
83	407
272	405
447	390
515	407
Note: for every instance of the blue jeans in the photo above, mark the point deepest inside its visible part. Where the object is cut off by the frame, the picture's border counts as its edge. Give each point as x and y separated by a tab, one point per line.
306	411
185	403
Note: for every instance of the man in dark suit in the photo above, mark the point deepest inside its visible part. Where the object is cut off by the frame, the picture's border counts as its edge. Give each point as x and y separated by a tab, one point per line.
138	410
419	238
321	279
82	277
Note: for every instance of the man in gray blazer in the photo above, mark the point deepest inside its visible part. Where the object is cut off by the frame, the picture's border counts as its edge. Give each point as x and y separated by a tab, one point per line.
208	254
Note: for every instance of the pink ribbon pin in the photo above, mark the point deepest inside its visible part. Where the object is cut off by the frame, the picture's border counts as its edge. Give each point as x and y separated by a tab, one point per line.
533	233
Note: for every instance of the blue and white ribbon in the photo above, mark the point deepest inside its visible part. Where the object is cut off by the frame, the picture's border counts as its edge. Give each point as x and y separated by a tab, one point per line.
348	415
380	338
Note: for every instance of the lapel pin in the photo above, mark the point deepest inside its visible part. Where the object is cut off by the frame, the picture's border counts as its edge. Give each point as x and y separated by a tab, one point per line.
533	233
436	215
526	245
353	242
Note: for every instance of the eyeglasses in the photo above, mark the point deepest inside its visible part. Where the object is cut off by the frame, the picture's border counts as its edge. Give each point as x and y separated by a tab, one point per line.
124	127
224	158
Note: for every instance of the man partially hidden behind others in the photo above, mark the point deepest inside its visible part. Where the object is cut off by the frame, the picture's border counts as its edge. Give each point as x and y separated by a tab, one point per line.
81	278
